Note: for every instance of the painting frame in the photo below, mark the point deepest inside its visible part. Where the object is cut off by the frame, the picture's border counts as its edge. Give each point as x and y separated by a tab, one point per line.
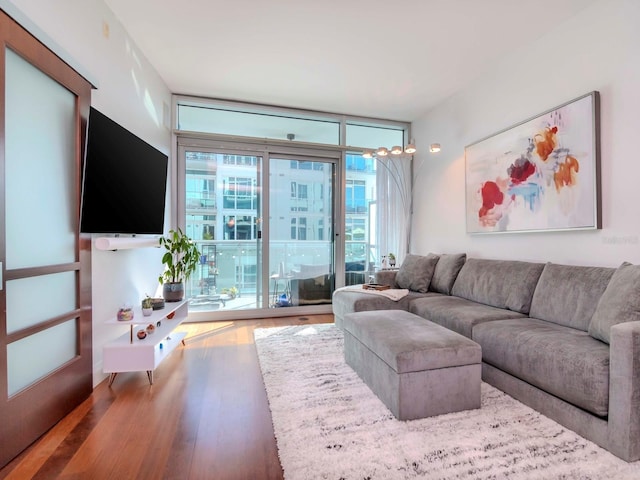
539	175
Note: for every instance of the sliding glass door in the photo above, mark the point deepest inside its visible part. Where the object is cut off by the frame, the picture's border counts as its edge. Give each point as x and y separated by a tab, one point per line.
222	211
258	251
301	217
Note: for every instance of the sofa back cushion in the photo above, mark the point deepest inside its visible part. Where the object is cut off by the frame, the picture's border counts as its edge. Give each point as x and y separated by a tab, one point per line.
499	283
416	271
568	294
446	272
619	303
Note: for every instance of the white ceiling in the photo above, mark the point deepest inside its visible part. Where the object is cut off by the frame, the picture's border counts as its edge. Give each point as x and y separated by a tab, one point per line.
392	59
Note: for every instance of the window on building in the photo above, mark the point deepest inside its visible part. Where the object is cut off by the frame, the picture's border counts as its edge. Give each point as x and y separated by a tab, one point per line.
355	196
240	227
239	193
239	160
298	228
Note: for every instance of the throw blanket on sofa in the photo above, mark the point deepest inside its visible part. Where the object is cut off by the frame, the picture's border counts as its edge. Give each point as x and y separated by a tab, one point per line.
394	294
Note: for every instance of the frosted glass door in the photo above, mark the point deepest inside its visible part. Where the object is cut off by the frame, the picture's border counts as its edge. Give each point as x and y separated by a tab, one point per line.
40	226
45	281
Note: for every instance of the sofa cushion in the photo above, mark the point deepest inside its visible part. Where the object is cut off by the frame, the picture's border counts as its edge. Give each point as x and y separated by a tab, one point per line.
499	283
457	314
568	294
348	301
416	271
619	303
562	361
446	272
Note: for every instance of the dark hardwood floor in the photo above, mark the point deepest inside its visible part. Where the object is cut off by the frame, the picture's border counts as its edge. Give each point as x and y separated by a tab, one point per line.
205	417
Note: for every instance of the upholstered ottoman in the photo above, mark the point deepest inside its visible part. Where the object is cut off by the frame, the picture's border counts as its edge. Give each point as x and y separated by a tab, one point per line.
416	367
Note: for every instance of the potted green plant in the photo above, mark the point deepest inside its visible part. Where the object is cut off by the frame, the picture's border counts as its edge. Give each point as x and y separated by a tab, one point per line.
232	292
392	260
147	306
180	260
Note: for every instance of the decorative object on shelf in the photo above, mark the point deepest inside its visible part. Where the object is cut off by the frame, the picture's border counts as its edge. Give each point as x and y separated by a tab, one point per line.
170	316
392	260
384	264
147	306
157	303
539	175
180	259
142	334
125	314
151	328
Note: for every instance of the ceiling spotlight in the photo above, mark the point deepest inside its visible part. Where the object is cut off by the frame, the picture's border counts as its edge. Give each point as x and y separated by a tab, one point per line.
367	154
411	148
434	147
382	152
396	150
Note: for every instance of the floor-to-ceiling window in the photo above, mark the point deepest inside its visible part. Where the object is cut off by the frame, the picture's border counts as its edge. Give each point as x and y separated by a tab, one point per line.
279	204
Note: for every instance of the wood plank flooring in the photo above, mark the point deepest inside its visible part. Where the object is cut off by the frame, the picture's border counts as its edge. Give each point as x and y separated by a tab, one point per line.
205	417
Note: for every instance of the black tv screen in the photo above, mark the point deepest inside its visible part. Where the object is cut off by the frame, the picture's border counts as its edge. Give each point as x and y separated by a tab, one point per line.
124	183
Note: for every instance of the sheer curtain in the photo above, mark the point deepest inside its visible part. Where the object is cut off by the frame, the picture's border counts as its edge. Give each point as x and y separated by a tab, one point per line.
393	192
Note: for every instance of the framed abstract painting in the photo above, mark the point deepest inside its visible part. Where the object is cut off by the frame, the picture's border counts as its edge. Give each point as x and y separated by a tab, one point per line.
539	175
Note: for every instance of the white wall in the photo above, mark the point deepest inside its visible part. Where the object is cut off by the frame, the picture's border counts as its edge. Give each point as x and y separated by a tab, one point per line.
131	93
596	50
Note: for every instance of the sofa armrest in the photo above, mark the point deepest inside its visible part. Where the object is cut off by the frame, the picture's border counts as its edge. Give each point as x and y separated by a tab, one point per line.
386	277
624	390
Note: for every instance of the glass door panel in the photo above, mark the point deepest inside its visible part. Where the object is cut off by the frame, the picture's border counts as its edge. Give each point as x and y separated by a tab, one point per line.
40	185
359	233
39	182
301	267
222	212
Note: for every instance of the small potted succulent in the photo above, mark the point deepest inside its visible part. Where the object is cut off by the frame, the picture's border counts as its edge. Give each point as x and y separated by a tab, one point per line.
392	260
147	306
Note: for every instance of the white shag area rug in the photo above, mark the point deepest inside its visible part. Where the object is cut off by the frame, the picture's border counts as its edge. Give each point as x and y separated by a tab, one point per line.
329	425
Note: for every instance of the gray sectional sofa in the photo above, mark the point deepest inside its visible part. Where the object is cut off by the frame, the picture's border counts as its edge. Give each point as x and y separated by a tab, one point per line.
563	339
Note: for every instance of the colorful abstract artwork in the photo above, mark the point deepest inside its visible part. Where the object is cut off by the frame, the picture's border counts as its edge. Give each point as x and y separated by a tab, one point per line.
538	175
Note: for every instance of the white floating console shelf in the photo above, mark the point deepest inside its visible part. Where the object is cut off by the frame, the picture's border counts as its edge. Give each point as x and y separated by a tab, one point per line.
128	353
125	243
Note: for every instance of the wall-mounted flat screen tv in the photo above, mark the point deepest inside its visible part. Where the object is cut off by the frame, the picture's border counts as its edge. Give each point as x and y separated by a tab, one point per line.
124	182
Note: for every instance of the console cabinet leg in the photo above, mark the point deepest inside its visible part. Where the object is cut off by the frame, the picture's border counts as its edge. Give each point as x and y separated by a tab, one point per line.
150	376
112	377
